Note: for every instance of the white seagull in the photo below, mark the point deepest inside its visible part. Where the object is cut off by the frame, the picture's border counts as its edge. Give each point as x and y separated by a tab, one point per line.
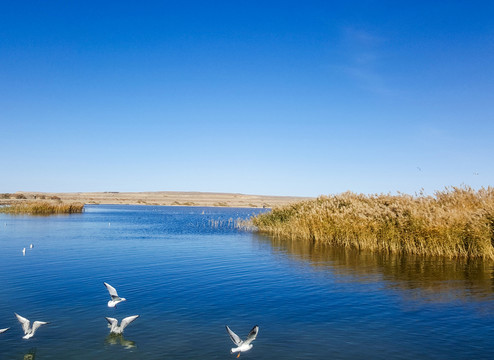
115	299
113	324
242	345
23	251
26	326
3	330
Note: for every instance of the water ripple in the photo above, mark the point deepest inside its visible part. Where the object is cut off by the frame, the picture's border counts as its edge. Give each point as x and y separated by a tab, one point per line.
187	279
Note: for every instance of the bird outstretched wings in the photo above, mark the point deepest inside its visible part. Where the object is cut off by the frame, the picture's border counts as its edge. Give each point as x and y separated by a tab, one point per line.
252	335
24	322
126	321
235	338
112	291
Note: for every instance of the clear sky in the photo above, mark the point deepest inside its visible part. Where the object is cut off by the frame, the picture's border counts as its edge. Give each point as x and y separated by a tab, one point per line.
257	97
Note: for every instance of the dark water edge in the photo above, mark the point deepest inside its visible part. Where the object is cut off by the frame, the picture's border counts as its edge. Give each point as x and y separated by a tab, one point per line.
423	278
188	271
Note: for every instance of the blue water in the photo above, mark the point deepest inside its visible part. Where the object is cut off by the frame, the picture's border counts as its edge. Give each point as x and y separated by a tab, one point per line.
188	271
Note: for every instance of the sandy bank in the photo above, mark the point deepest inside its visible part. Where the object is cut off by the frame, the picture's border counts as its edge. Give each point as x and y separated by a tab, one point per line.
170	198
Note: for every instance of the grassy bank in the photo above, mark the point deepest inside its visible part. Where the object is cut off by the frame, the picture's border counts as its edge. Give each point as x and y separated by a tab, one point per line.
42	208
456	222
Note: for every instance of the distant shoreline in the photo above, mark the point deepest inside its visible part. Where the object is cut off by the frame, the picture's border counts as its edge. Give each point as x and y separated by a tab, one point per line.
164	198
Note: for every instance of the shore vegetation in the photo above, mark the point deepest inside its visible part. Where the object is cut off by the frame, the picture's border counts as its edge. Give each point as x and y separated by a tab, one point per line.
42	208
457	222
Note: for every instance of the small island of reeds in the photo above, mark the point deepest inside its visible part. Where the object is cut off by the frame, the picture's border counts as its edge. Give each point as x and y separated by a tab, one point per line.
42	208
457	222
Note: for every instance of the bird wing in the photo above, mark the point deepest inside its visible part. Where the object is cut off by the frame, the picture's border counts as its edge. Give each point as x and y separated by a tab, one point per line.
252	335
3	330
37	324
111	290
25	323
126	321
236	340
112	321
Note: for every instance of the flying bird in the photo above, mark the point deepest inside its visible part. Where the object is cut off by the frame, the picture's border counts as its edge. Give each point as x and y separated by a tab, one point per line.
115	299
26	326
3	330
115	328
242	345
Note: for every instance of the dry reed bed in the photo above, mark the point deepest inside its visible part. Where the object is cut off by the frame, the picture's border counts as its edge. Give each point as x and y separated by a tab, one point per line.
42	208
456	222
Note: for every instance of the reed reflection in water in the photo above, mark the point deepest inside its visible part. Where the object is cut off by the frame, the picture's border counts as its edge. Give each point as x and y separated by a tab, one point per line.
434	279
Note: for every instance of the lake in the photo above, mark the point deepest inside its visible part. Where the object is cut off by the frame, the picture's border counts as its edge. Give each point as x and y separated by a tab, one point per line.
188	272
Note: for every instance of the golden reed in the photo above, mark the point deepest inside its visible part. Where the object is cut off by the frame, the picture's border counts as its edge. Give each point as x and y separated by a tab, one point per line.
456	222
42	208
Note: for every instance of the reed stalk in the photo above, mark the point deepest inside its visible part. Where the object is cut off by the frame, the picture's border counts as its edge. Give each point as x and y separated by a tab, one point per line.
42	208
456	222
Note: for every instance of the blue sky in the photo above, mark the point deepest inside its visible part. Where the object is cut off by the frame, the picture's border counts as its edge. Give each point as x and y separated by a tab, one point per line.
258	97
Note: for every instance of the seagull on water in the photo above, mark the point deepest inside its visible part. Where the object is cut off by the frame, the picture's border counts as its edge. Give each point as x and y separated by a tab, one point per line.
3	330
23	251
242	345
115	299
115	328
26	326
31	246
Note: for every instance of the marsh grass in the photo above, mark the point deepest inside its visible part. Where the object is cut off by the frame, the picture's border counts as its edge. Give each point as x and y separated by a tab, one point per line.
42	208
185	203
231	223
221	204
456	222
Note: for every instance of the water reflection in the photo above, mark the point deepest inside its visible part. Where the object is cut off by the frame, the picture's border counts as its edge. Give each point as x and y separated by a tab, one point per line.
114	339
31	355
426	278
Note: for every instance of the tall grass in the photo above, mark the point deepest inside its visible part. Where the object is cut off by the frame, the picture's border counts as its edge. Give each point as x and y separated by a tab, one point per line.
42	208
456	222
